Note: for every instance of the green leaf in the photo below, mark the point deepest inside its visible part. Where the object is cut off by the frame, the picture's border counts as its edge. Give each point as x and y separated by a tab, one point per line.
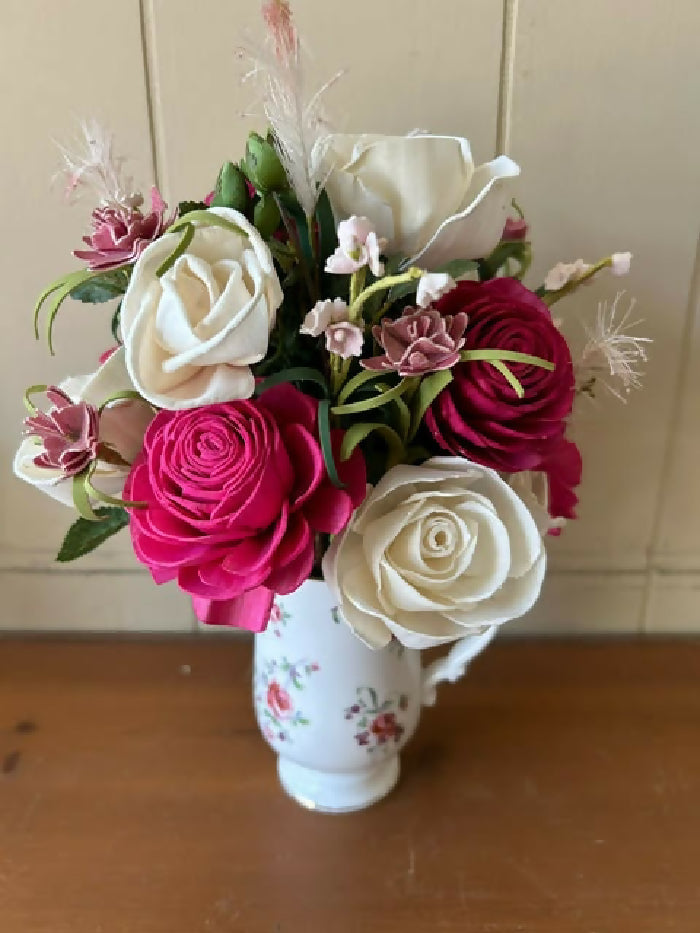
430	387
185	240
517	250
326	227
354	408
457	267
295	374
324	434
116	318
204	219
81	497
512	381
363	377
102	288
404	417
84	536
357	433
509	356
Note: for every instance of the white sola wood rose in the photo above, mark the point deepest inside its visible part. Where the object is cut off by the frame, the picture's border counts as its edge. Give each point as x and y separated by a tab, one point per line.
122	426
422	193
192	334
434	553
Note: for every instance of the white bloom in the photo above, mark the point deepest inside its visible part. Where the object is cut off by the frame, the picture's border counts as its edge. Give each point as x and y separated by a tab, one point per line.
422	193
563	273
620	263
436	552
322	315
192	334
122	426
432	286
358	246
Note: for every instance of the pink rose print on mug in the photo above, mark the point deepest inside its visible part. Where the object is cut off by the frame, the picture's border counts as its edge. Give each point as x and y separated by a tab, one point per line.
276	682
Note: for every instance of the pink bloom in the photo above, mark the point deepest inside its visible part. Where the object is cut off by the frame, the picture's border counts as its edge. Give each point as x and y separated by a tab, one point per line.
620	263
421	341
322	315
515	229
236	493
209	198
279	701
479	415
358	246
120	234
344	339
385	726
563	467
69	432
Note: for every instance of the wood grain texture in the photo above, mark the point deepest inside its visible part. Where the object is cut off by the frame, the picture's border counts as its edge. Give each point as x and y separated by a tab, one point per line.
553	791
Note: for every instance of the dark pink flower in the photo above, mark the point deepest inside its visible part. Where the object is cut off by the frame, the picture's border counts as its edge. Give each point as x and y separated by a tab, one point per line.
120	234
515	229
421	341
69	432
236	493
479	415
279	701
385	726
563	467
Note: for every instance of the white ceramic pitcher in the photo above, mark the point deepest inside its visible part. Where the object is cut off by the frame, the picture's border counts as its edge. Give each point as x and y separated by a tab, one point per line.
336	712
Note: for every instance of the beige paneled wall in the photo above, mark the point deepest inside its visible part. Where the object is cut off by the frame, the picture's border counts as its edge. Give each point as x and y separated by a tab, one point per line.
600	109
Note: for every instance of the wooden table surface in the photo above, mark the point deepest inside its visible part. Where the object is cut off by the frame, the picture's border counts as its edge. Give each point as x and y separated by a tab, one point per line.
555	790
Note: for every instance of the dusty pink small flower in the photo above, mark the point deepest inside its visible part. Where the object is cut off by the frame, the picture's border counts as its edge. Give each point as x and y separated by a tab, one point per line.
515	229
120	234
358	246
344	339
421	341
69	433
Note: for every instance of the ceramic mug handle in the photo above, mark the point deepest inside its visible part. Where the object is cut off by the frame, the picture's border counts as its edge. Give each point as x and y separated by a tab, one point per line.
454	664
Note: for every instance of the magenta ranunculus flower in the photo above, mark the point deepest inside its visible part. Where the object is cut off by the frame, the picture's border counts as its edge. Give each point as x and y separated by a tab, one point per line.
120	234
563	467
479	414
421	341
69	432
236	493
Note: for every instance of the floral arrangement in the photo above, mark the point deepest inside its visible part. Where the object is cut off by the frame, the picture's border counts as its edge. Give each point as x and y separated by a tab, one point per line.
330	363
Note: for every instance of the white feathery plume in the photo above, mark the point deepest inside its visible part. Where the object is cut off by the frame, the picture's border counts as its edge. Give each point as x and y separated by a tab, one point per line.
612	355
92	163
298	124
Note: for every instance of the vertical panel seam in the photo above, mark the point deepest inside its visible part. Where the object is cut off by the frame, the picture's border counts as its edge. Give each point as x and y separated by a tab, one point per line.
691	314
147	53
506	76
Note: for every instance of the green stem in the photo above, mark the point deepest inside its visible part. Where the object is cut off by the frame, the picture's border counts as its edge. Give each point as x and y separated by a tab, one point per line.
357	283
293	234
381	285
550	298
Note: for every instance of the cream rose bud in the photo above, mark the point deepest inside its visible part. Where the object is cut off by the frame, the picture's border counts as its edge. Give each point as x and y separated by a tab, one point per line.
122	427
422	193
192	334
436	552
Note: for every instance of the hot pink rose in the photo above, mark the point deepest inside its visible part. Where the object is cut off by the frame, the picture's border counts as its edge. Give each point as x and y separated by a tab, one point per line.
236	493
278	700
120	235
479	415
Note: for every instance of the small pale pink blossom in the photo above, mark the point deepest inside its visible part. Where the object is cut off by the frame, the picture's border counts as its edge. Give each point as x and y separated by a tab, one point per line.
322	315
344	339
69	433
120	234
620	263
433	285
358	246
421	341
563	273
